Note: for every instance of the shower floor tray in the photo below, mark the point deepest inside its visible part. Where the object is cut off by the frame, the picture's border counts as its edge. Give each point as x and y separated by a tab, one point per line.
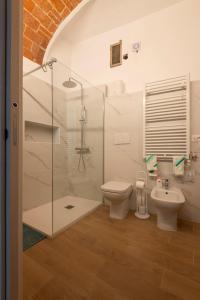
51	219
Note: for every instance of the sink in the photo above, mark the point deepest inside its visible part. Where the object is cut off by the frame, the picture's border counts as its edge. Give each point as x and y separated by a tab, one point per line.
172	195
168	203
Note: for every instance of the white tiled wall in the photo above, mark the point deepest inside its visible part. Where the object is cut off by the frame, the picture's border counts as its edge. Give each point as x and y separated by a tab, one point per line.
124	113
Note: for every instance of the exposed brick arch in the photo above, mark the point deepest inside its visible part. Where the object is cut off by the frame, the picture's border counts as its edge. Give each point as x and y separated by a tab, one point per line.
41	19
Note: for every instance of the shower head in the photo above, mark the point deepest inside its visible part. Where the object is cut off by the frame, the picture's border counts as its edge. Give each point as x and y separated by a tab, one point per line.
70	84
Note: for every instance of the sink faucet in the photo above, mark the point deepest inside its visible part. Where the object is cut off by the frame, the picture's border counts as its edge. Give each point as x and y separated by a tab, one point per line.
166	183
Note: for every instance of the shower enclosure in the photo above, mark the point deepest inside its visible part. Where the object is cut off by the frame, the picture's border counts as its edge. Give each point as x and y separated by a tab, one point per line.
63	148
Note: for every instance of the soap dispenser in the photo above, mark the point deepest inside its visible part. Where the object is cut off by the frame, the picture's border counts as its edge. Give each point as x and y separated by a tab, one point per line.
189	171
159	183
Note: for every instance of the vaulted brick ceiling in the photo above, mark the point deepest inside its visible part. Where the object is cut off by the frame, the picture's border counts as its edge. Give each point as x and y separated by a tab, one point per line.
41	19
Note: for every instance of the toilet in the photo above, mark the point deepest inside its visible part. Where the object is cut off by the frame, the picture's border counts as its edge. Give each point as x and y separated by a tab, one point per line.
118	193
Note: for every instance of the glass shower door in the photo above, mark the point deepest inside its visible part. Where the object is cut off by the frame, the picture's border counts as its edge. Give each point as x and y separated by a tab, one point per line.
38	151
63	148
78	113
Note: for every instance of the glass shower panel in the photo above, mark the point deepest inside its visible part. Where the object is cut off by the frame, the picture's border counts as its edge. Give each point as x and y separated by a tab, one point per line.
37	157
78	119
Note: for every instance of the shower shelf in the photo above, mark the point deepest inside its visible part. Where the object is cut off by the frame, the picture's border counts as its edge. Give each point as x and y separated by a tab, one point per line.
41	133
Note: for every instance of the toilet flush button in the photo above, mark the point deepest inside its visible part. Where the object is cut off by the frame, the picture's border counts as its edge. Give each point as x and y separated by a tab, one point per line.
122	138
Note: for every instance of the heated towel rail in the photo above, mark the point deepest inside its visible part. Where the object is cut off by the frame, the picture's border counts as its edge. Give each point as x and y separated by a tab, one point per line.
167	118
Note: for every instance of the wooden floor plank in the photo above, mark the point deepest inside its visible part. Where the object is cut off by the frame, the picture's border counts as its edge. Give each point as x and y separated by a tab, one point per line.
103	259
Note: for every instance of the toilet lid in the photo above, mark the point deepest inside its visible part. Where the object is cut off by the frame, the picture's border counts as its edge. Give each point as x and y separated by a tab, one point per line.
116	187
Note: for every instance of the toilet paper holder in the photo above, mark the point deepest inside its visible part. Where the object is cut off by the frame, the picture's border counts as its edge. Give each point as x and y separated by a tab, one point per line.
141	176
141	195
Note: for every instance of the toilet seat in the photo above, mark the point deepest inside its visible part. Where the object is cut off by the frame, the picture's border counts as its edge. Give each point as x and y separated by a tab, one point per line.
116	187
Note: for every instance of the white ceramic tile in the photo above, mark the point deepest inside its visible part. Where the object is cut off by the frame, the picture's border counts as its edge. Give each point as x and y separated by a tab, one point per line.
56	217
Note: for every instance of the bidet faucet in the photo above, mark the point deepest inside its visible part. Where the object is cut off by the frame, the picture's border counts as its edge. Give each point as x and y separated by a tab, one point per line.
166	183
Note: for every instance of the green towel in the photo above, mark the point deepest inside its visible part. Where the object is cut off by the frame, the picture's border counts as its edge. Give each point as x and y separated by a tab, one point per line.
151	162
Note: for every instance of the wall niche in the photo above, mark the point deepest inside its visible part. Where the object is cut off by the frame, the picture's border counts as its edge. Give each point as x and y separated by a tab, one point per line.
41	133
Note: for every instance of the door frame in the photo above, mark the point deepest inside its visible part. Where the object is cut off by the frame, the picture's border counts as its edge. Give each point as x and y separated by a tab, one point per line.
15	150
2	148
11	15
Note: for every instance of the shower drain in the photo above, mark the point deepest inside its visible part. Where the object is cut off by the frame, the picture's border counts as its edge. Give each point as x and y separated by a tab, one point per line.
69	206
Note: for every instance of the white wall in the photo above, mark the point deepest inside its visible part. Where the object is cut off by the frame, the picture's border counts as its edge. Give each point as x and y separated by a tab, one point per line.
114	13
170	46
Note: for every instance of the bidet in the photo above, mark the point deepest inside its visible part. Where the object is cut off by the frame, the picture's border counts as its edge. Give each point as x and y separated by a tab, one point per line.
168	203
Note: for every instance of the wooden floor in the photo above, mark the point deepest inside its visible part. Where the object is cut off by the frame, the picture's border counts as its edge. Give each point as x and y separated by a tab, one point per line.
103	259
